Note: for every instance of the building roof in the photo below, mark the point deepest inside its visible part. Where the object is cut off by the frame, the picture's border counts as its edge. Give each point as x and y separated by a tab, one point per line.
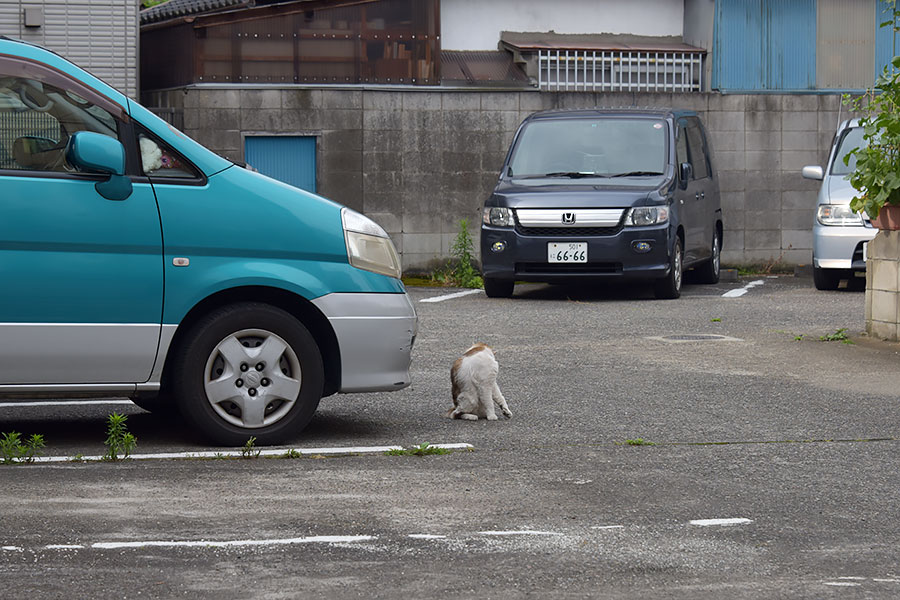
481	68
534	41
182	8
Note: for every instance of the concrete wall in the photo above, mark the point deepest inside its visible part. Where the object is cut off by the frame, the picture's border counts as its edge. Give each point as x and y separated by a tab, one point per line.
883	286
476	24
98	35
419	161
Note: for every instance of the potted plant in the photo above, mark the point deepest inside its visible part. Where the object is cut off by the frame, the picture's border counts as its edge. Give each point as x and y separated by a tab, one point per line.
877	174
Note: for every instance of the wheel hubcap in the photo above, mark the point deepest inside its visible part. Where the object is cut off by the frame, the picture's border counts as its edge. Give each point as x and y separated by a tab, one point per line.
677	268
252	378
716	253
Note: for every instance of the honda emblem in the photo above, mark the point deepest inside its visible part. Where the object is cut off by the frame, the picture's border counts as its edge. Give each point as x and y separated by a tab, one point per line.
568	218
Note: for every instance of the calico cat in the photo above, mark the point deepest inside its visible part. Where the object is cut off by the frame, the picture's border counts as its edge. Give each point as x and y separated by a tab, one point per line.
474	384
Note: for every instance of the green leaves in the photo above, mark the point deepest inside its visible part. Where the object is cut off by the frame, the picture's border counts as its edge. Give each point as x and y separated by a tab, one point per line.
13	449
118	440
877	174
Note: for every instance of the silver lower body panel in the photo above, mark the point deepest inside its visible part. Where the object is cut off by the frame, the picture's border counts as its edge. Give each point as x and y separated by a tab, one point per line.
375	333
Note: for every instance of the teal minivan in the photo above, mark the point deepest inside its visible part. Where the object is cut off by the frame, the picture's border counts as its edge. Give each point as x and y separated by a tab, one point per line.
135	262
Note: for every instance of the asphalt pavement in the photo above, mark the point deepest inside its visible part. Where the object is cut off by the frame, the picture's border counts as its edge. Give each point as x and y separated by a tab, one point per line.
708	447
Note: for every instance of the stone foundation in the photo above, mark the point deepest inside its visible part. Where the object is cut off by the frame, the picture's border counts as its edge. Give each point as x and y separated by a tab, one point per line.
883	286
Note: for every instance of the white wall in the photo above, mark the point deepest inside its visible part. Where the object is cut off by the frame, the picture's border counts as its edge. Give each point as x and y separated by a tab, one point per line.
476	24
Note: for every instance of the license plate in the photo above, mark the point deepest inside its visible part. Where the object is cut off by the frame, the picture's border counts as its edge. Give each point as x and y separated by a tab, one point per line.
567	252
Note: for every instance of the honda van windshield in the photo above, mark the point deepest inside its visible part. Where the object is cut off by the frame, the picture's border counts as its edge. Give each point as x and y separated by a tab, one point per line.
601	147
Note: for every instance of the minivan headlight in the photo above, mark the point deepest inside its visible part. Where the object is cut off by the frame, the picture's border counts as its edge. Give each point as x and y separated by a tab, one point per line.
497	216
647	215
838	215
368	245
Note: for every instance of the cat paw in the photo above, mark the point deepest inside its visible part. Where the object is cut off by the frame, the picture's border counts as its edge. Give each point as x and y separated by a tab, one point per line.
468	417
492	417
507	413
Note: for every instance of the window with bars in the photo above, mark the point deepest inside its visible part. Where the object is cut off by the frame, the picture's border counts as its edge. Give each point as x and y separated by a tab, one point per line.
620	70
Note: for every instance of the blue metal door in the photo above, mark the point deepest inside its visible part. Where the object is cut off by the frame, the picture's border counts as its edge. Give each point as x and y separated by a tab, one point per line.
765	45
287	158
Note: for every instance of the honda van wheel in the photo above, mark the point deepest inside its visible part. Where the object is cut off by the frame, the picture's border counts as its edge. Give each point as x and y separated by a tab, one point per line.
669	287
708	272
249	370
498	288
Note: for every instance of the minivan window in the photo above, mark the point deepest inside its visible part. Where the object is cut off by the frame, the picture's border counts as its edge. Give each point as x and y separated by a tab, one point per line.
699	163
628	149
850	139
37	118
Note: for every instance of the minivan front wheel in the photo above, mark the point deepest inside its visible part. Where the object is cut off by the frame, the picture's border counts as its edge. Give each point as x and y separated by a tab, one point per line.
669	287
249	370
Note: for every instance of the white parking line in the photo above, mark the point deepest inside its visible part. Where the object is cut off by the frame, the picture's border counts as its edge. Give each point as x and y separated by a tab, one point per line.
261	452
66	403
321	539
522	532
450	296
741	291
720	522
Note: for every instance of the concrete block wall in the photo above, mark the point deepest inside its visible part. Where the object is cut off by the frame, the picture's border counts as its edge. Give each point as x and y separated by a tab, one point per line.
883	286
419	161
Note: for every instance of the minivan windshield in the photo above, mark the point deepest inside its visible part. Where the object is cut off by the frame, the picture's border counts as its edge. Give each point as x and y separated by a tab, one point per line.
630	150
850	139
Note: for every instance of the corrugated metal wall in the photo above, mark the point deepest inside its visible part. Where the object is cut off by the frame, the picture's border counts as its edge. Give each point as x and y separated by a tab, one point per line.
765	45
98	35
887	43
846	44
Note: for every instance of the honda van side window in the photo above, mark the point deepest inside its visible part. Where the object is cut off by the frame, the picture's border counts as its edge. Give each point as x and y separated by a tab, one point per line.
681	148
697	150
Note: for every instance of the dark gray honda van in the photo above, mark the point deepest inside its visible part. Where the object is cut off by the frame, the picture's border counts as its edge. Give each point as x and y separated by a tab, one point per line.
604	194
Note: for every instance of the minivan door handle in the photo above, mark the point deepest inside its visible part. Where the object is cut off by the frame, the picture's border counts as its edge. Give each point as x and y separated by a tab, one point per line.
699	195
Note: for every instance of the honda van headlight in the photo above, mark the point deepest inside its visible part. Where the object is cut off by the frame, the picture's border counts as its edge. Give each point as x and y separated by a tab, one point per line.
838	215
640	216
368	245
497	216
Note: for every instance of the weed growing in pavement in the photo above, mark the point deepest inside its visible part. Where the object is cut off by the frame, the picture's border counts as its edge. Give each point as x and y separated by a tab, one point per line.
423	449
716	320
249	449
77	458
119	441
838	336
798	338
13	449
292	453
639	442
461	271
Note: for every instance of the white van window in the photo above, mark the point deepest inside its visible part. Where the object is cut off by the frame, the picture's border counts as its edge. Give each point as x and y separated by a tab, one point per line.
850	139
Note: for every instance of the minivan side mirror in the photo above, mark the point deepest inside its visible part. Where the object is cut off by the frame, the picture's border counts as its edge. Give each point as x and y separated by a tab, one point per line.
685	174
97	153
813	172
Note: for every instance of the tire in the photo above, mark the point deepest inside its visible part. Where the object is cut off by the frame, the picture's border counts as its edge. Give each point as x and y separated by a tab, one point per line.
160	404
498	288
248	370
709	271
827	279
669	287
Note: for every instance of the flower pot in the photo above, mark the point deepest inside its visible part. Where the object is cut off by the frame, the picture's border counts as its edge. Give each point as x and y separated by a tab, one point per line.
888	217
